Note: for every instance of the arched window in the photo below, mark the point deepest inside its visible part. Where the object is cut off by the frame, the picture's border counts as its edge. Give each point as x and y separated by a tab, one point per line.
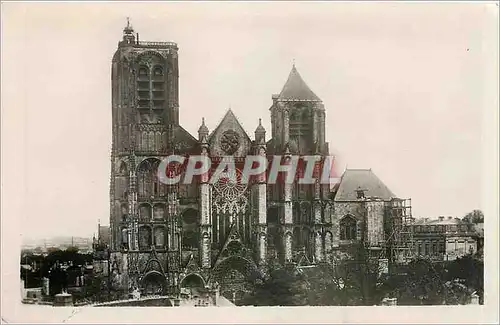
159	211
148	183
347	228
143	71
150	80
158	141
124	238
158	71
124	211
305	213
145	238
144	212
151	141
294	116
159	237
190	234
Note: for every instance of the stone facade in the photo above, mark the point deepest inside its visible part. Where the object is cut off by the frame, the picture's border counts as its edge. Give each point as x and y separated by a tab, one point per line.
444	238
165	238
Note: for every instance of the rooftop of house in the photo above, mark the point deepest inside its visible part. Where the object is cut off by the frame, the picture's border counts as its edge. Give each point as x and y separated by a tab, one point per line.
441	220
354	181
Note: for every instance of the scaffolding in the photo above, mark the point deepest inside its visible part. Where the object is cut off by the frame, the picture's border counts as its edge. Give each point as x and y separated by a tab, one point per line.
399	226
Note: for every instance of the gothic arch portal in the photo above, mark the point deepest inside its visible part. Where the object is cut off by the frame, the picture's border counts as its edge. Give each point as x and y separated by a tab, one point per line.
192	280
240	264
153	283
234	276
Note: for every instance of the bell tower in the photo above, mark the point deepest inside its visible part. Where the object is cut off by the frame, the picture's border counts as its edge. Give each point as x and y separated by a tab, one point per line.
145	112
298	118
298	129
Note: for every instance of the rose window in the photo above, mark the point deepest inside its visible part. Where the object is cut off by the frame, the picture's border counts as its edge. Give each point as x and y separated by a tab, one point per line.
230	142
230	188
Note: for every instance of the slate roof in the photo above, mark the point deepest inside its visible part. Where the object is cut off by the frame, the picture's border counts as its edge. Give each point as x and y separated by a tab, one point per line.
438	221
184	142
295	88
355	179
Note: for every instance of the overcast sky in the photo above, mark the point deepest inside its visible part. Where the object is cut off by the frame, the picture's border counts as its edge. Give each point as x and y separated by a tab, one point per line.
404	87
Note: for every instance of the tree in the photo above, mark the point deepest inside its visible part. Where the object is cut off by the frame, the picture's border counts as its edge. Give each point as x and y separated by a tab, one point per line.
52	249
469	271
352	278
331	285
282	287
456	292
475	217
423	284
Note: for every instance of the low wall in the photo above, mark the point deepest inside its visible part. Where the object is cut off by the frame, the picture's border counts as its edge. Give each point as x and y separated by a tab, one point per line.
143	302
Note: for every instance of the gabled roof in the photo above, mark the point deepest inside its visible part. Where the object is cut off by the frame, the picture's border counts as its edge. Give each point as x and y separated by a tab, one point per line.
184	142
295	88
228	118
361	179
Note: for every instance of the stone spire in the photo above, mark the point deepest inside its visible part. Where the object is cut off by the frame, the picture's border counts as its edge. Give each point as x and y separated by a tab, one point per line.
128	29
296	89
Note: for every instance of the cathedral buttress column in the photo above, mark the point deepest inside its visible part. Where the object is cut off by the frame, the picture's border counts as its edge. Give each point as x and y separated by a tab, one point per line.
321	133
259	189
315	126
205	213
286	125
262	208
288	216
318	242
133	240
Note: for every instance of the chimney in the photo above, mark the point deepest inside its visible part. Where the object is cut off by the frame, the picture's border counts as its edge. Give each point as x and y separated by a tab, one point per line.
441	218
449	218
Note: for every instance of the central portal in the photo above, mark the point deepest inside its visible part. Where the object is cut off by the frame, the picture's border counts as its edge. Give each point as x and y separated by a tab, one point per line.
236	277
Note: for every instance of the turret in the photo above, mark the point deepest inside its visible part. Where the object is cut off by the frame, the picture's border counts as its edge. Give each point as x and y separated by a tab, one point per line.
260	133
203	130
128	34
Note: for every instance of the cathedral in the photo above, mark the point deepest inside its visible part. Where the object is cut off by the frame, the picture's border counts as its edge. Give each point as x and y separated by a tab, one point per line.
165	238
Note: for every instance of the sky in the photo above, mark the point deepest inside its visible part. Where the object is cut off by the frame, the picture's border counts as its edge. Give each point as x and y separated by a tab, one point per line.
405	87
